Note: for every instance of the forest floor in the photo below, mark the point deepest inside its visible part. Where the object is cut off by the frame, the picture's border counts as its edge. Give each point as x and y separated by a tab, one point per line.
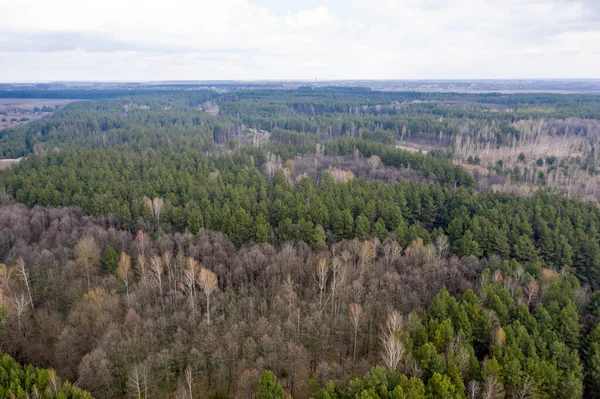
17	111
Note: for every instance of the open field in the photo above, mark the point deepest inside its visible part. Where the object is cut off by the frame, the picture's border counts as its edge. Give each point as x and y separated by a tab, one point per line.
414	147
17	111
6	163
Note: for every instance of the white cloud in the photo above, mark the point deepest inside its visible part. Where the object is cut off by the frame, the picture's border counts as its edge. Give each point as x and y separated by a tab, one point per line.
331	39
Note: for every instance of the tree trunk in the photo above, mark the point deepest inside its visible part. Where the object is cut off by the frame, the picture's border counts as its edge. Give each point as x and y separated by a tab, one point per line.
208	310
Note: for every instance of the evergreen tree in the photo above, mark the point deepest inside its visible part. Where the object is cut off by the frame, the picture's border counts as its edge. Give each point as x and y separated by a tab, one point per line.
363	227
110	259
269	387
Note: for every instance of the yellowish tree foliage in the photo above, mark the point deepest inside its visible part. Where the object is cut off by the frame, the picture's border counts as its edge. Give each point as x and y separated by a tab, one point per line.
207	281
87	255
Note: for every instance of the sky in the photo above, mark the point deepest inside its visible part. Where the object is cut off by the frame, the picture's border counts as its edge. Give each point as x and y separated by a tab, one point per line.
146	40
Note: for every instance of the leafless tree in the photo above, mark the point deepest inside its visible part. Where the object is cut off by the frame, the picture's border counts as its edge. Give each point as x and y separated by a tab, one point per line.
22	273
337	281
289	286
141	267
138	381
321	279
391	340
392	251
441	245
87	255
189	380
5	275
374	161
156	207
141	243
356	315
366	254
207	281
167	259
526	389
21	305
492	388
124	272
189	281
473	389
156	272
531	291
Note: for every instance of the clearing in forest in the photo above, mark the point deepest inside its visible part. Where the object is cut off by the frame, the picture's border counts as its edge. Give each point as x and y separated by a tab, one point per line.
18	111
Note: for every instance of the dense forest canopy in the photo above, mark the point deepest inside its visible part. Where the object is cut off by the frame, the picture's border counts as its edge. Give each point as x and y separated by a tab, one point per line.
266	243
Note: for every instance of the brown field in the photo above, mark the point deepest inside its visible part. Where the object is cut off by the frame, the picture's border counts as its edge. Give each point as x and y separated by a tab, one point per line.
414	147
559	147
17	111
6	163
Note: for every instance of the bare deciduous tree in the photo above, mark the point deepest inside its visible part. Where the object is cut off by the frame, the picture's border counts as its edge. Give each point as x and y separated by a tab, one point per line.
156	273
441	245
156	207
189	281
288	286
138	381
473	389
337	281
22	273
141	267
526	389
531	291
492	388
207	281
87	255
392	251
391	340
5	275
167	259
20	304
124	272
321	279
374	161
356	315
366	254
189	380
141	243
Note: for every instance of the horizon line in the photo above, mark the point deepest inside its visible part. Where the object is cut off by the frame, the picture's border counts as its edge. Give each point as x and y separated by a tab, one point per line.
291	80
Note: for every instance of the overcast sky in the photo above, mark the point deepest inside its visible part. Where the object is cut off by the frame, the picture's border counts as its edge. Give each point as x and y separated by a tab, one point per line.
298	39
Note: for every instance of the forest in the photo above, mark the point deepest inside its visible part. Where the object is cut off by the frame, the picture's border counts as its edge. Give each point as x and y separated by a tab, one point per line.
304	243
